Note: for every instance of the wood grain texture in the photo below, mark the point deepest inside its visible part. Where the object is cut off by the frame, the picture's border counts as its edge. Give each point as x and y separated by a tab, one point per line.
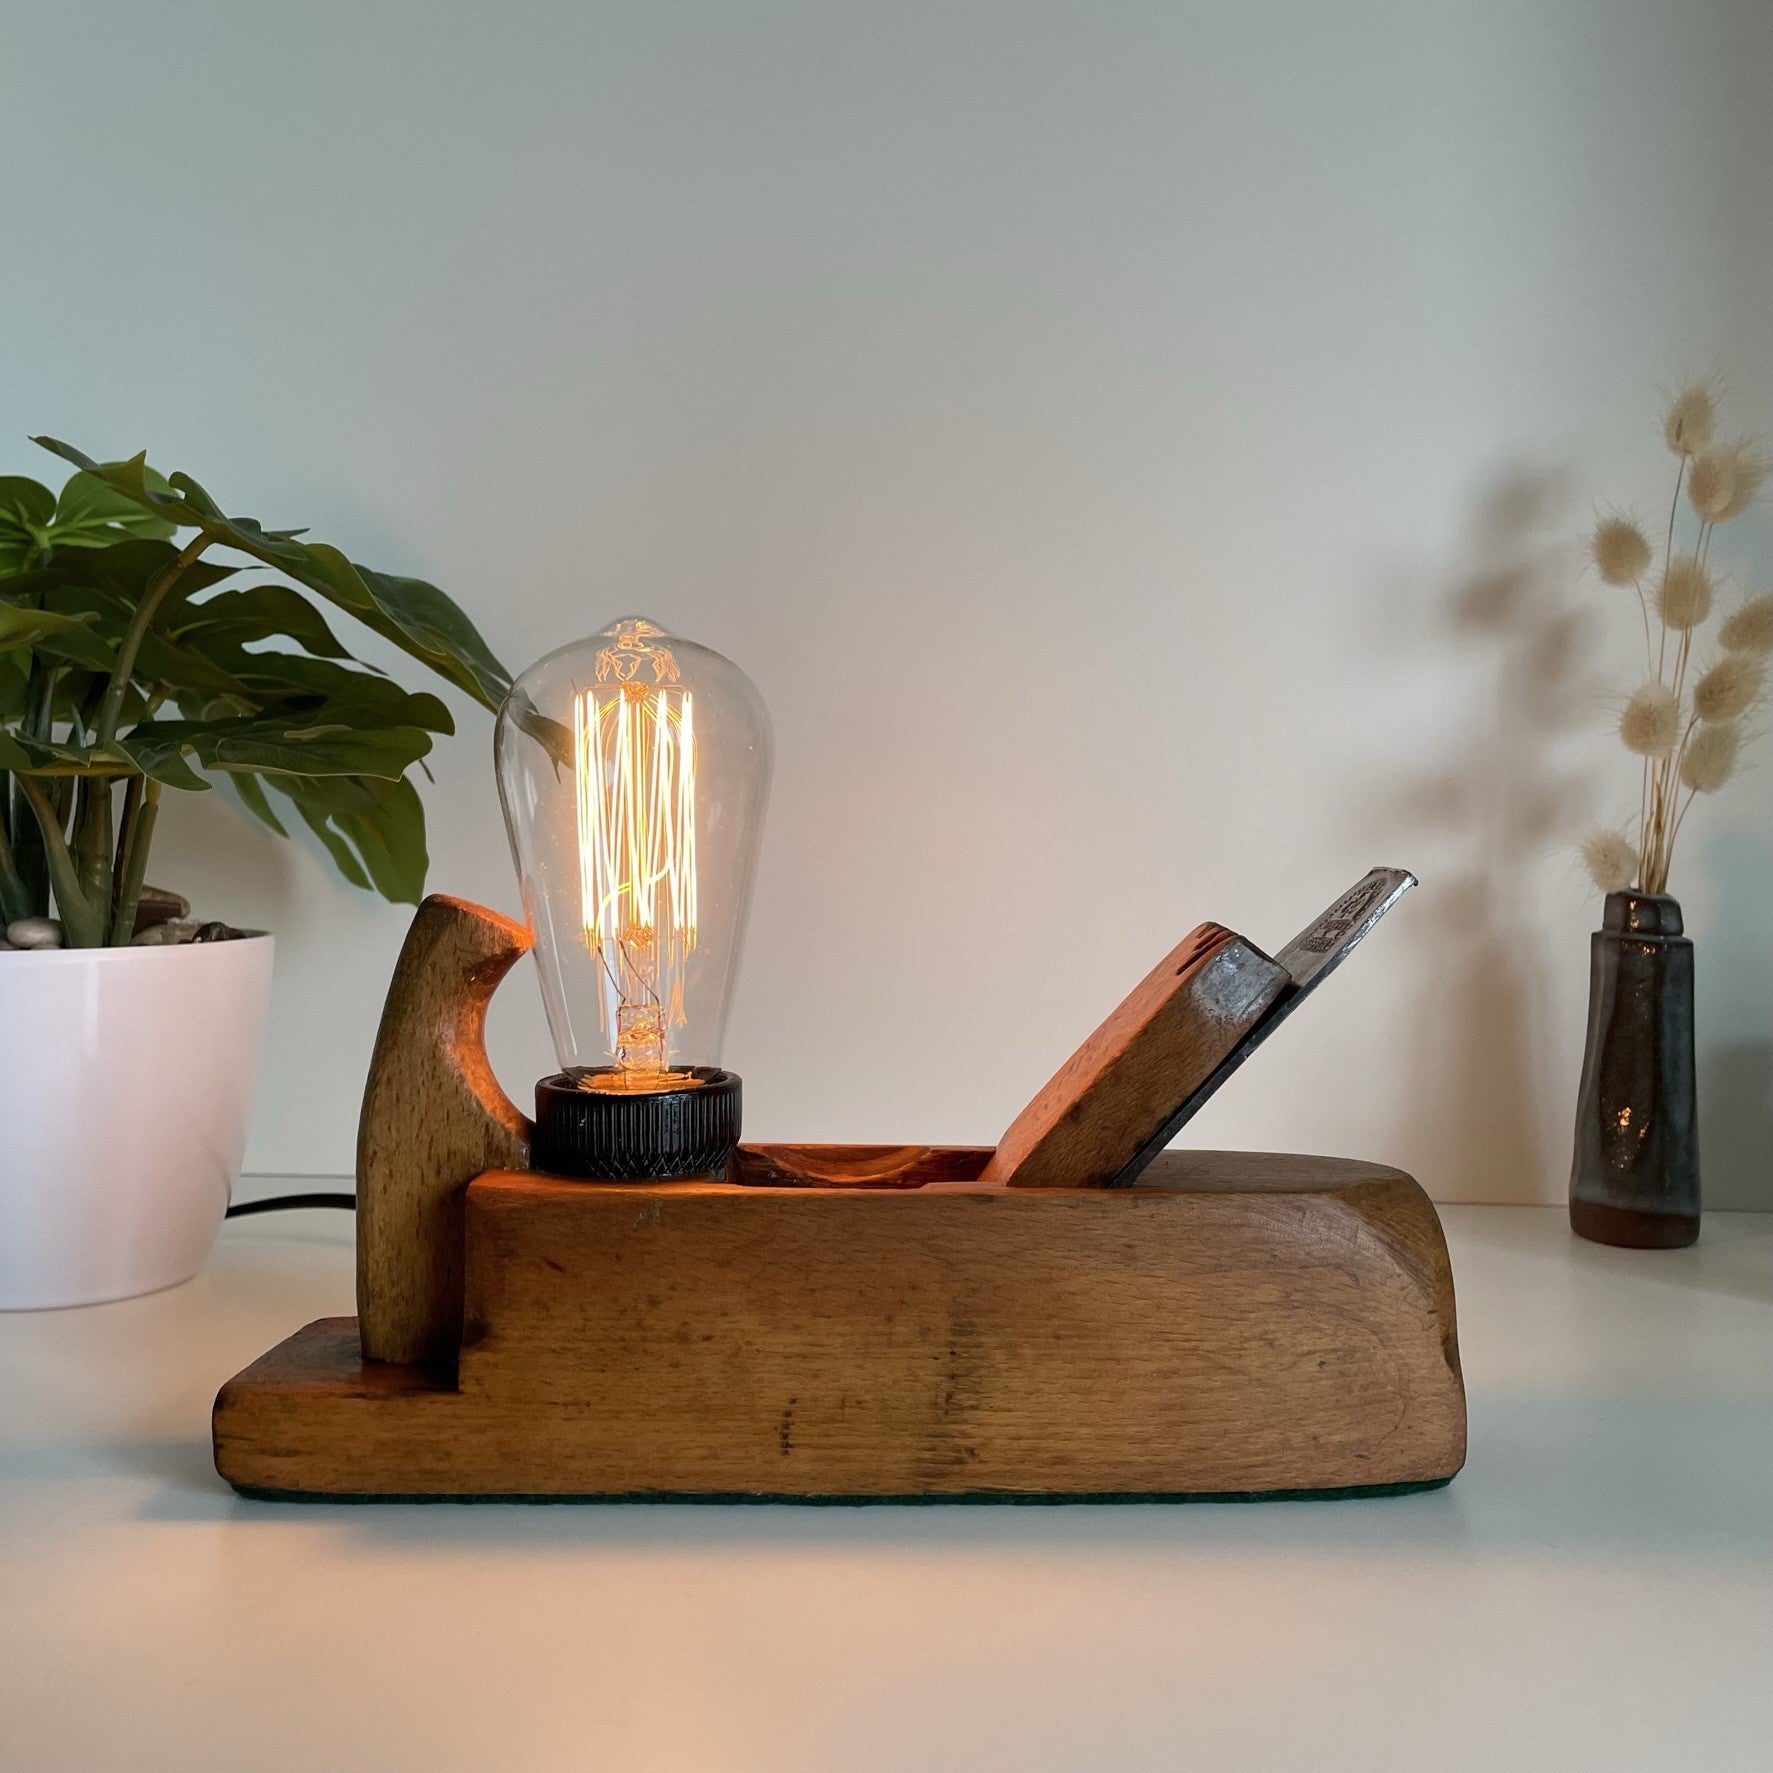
433	1118
1235	1323
1161	1043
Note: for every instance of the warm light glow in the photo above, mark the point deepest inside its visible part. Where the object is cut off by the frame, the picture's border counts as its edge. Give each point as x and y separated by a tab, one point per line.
634	753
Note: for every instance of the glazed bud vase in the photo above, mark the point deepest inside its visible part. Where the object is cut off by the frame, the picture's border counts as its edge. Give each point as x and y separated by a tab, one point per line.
1634	1178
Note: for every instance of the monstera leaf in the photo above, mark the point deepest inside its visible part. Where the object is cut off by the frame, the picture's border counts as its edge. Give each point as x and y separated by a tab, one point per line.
322	689
255	613
373	830
167	749
413	614
377	826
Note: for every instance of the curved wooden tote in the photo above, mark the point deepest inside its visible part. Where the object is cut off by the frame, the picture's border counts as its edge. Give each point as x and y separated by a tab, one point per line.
434	1117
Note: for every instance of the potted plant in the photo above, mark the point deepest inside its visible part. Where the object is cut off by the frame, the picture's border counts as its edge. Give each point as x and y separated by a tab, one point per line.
1634	1176
145	647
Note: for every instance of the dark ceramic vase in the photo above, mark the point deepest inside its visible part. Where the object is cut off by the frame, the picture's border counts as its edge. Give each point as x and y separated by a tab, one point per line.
1634	1179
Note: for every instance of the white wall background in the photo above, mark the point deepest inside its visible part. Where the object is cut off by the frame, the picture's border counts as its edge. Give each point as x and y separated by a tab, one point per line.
1137	449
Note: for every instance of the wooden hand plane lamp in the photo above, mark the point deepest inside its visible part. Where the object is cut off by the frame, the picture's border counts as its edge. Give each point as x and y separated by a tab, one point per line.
1078	1312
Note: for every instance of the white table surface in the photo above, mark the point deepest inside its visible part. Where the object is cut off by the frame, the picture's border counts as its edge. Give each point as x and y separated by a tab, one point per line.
1593	1592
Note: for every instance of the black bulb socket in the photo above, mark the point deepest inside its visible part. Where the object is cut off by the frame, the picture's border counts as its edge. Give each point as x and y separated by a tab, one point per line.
605	1135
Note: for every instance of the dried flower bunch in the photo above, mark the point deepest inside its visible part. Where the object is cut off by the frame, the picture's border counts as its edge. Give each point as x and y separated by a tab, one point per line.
1686	724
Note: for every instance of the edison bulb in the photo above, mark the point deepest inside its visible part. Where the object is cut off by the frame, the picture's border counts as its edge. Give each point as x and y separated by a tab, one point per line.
634	773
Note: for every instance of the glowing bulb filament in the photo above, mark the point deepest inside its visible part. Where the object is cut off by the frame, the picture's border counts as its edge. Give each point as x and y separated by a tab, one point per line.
635	761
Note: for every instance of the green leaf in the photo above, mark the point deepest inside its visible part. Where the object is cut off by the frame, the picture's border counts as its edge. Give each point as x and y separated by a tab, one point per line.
373	830
294	685
77	644
440	633
160	663
164	671
90	514
253	797
258	612
271	747
134	479
34	523
15	683
109	584
58	757
553	738
413	614
103	587
356	698
26	510
126	569
25	500
31	627
344	858
165	760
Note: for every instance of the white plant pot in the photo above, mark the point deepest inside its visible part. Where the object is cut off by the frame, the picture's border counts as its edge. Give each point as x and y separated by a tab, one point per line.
126	1082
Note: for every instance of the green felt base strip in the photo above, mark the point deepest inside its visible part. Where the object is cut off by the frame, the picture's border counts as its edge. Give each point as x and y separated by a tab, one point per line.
988	1498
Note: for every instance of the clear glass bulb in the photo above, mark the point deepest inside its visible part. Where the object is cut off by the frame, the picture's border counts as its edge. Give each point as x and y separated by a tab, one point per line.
634	771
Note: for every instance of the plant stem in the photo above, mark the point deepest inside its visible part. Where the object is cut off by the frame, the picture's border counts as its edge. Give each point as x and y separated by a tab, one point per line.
40	697
82	922
1679	819
27	841
1670	766
111	710
1674	505
126	822
92	840
132	855
1643	820
15	898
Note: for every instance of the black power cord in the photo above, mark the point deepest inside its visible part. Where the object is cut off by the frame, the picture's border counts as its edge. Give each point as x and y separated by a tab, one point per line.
283	1203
